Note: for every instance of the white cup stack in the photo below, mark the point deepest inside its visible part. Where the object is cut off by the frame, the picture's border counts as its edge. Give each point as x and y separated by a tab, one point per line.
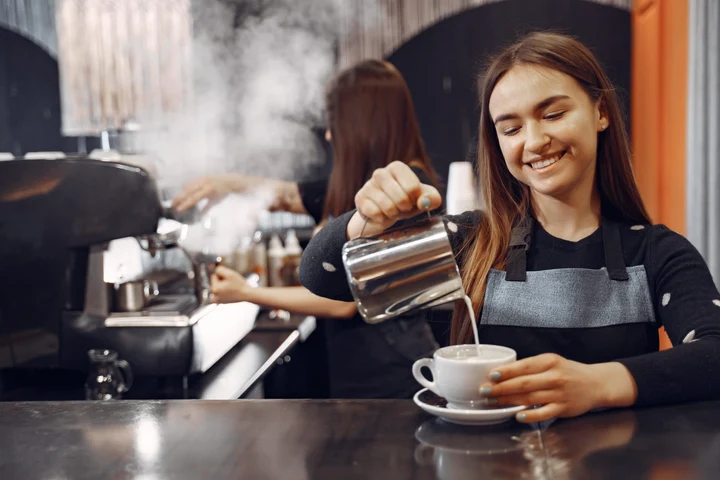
462	195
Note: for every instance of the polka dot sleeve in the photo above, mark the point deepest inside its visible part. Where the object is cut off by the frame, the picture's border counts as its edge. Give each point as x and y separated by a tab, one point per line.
322	270
687	304
460	228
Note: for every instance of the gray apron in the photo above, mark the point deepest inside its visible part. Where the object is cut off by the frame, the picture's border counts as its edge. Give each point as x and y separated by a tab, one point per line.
567	297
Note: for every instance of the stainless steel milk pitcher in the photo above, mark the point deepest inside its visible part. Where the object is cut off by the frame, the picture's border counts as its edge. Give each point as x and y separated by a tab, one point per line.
402	269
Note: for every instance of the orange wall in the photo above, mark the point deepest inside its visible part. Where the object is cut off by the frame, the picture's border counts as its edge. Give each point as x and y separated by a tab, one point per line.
659	98
658	104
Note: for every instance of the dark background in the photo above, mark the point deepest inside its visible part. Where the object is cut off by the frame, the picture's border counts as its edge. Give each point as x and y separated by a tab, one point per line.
29	98
441	65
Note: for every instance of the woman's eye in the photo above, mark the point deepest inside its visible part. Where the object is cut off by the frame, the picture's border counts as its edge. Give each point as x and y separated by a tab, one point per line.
510	131
554	116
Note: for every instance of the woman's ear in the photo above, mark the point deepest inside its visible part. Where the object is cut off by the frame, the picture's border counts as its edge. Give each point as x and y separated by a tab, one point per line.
603	121
328	135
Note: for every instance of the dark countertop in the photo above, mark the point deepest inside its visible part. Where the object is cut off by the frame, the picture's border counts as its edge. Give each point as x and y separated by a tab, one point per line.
341	439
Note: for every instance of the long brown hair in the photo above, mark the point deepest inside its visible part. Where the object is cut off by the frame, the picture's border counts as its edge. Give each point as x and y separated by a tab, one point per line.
371	117
507	200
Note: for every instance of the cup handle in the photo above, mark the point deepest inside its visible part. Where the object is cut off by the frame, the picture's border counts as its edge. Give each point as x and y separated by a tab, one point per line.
424	455
127	374
417	373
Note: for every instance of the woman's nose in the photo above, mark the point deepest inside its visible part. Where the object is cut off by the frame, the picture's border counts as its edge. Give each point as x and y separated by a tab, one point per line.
536	141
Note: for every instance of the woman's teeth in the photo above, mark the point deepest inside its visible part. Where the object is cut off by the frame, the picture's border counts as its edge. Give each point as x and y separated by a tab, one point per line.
546	162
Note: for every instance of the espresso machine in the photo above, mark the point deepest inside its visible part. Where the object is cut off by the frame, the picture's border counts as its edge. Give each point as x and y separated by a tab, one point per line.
64	223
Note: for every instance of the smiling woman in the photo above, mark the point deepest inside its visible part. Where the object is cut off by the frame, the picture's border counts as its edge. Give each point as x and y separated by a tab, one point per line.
564	266
560	127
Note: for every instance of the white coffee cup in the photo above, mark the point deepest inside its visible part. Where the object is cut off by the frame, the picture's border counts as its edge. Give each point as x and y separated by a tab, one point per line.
458	372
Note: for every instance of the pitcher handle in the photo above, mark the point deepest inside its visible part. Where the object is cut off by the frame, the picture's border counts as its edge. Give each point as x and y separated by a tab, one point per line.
150	289
126	373
417	373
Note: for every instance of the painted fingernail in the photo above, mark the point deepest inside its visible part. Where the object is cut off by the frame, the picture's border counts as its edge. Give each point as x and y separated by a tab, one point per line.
495	376
492	401
521	417
485	391
425	202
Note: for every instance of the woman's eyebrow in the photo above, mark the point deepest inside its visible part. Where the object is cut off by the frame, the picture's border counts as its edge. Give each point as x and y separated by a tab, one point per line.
539	106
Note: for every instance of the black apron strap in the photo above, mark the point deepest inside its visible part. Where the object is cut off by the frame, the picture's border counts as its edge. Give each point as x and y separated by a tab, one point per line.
521	235
614	258
516	269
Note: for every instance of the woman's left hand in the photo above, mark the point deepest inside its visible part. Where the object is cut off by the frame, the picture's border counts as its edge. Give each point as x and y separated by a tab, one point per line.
564	388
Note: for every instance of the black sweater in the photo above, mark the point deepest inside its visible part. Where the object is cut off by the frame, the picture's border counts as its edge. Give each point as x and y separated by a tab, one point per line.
684	298
369	361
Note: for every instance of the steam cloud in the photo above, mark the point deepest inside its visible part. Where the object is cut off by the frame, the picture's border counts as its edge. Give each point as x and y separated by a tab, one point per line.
260	68
259	89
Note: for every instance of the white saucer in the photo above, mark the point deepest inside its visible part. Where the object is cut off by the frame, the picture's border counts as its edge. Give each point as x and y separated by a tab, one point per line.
437	406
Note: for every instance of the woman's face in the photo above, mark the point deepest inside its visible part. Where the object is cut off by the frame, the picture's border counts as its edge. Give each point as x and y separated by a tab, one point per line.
547	128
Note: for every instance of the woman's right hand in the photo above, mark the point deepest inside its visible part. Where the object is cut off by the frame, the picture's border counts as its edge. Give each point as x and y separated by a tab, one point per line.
393	193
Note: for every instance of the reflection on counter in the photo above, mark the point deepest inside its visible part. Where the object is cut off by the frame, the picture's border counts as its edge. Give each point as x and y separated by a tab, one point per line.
459	452
659	443
349	439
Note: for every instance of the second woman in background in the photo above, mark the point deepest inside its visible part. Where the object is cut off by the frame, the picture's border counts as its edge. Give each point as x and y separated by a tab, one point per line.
371	123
